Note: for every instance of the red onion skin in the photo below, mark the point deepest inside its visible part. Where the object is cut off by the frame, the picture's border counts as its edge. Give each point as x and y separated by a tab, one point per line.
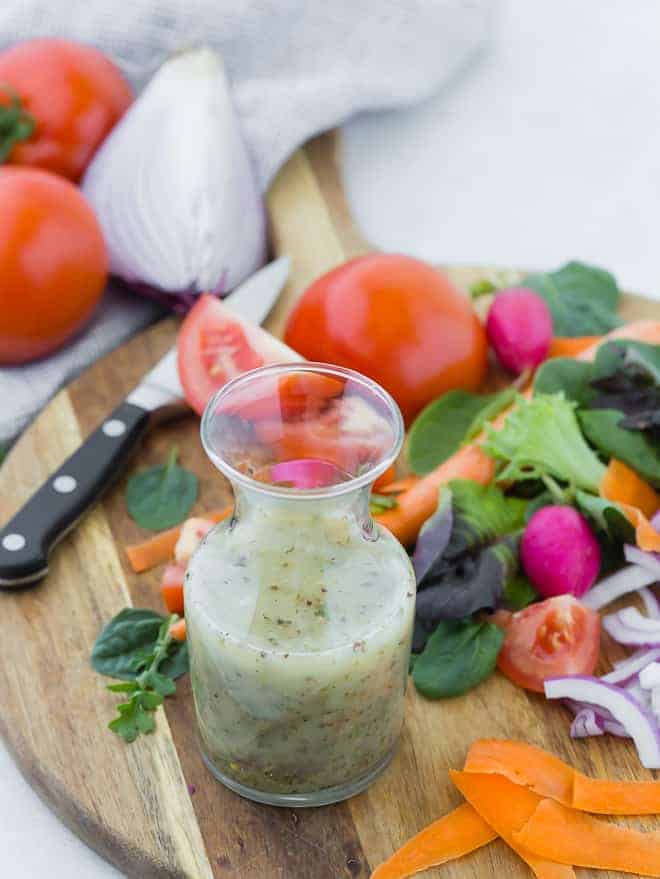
519	329
559	552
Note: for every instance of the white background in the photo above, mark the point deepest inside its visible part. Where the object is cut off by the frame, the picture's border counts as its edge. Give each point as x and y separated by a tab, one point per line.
547	149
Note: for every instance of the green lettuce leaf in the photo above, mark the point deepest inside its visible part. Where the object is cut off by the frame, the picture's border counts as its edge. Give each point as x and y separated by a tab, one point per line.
542	437
602	429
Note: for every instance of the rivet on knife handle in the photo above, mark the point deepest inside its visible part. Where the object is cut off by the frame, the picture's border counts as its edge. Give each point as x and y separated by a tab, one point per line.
26	541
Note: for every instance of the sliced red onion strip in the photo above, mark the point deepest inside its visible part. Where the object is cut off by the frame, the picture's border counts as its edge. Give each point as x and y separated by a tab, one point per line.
655	521
629	579
615	729
585	724
631	667
638	721
633	618
649	677
623	634
655	701
650	561
651	604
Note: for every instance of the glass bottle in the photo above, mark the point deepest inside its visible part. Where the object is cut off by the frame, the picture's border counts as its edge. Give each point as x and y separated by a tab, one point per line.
300	608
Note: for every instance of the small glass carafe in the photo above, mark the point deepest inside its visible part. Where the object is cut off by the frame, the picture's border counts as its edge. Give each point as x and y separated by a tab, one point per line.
300	608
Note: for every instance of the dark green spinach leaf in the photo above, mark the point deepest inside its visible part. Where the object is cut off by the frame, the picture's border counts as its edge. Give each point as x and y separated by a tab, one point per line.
518	592
601	427
440	428
161	496
458	655
129	640
582	299
573	377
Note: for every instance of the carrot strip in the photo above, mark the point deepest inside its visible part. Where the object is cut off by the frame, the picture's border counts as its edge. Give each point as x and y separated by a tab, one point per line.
565	346
160	548
415	505
622	485
575	838
637	499
456	834
507	808
418	503
548	776
523	764
178	630
385	478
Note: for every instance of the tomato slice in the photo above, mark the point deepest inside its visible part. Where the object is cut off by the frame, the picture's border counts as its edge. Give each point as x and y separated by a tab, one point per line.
289	396
216	345
556	637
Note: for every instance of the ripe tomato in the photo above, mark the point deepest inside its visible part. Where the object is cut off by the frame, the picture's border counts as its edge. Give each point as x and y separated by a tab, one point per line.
397	320
556	637
74	93
215	345
53	263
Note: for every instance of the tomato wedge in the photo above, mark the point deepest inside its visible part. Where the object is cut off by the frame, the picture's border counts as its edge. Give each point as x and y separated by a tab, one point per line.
216	345
553	638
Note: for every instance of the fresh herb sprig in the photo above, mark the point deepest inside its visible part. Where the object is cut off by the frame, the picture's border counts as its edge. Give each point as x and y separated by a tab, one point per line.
137	647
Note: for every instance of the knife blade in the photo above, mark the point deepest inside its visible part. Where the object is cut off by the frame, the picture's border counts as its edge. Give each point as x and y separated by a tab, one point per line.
54	509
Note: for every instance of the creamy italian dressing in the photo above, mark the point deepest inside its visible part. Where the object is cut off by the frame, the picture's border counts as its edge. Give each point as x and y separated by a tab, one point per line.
300	620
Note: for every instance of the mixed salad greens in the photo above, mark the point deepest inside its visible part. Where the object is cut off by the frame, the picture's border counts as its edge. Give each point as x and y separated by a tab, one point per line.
576	467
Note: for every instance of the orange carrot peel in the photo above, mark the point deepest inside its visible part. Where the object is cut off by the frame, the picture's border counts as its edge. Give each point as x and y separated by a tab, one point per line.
638	500
573	837
536	803
548	776
567	346
454	835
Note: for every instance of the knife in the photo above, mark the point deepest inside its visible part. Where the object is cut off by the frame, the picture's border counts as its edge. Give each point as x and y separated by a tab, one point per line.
54	509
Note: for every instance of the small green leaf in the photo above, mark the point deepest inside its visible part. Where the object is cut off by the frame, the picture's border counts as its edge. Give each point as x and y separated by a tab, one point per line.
438	430
156	681
162	496
519	592
458	655
601	427
573	377
381	502
482	288
127	687
582	299
496	404
606	515
132	720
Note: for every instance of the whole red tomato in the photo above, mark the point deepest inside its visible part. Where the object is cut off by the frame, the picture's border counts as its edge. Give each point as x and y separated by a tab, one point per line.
72	92
397	320
53	262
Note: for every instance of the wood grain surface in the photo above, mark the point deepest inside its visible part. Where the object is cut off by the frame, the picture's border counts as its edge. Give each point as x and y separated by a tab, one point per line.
152	808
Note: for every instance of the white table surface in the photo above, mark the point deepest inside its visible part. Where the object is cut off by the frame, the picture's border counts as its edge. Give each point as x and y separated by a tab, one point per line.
547	149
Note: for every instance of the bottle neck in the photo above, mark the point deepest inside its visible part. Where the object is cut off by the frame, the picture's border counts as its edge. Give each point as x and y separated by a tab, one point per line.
251	501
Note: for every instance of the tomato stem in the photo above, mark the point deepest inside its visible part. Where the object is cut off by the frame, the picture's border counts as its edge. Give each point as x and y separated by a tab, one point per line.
16	124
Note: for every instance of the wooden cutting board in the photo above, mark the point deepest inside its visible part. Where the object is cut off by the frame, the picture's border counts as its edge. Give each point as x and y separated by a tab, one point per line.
152	808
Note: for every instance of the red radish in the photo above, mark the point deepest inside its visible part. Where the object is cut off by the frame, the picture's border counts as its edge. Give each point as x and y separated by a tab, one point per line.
559	552
519	328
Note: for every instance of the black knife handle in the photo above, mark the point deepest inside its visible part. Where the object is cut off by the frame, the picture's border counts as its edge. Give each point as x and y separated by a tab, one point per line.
26	541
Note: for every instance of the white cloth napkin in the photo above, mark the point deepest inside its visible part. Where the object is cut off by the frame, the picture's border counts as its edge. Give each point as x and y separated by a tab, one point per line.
297	67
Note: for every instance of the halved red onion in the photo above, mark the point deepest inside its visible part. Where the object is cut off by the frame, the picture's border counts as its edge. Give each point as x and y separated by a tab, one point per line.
649	677
639	722
655	521
307	473
629	579
631	667
650	561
